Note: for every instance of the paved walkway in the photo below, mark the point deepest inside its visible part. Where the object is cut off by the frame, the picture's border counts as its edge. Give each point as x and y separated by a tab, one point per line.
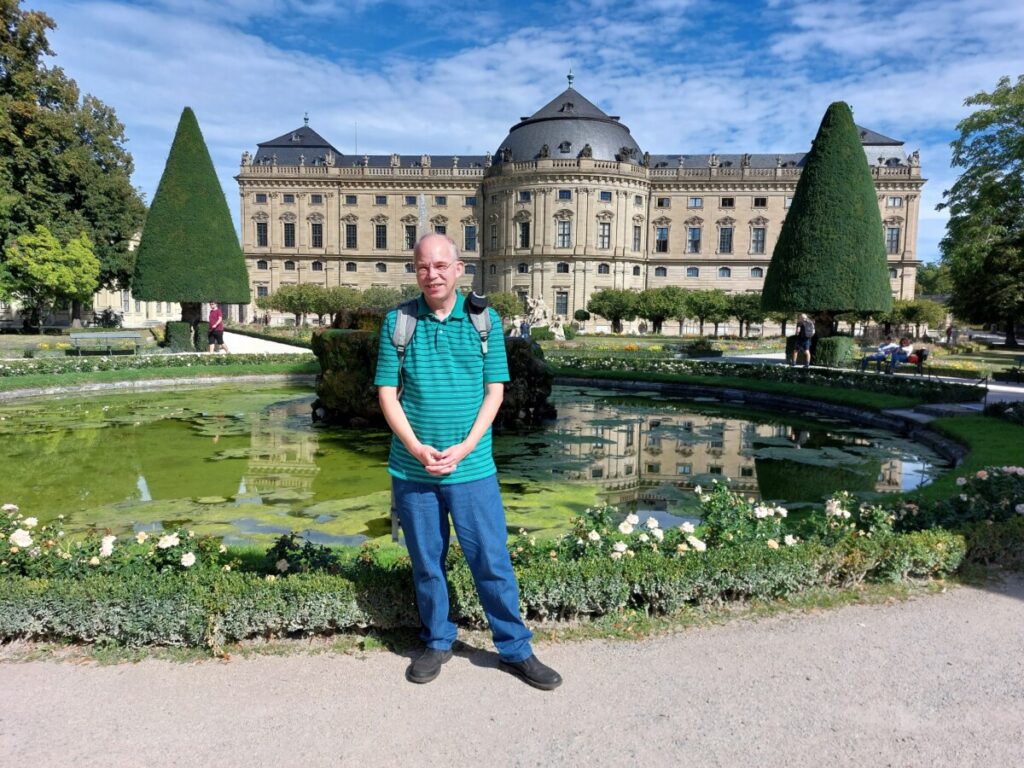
248	345
934	681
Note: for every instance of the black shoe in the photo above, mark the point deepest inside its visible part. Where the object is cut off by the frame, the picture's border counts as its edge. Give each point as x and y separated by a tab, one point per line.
531	671
427	666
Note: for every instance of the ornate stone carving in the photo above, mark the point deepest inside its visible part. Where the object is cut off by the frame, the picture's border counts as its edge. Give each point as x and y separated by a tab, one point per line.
246	158
745	161
638	219
316	218
694	221
506	155
915	158
380	218
520	216
350	218
587	151
289	217
605	216
438	219
545	152
424	161
726	221
713	160
563	215
409	218
487	160
759	221
396	160
662	221
261	216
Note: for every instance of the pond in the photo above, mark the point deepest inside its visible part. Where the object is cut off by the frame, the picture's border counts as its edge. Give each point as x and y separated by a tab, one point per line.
247	464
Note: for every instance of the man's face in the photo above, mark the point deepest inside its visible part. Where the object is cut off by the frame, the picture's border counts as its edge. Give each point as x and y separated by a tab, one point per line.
436	271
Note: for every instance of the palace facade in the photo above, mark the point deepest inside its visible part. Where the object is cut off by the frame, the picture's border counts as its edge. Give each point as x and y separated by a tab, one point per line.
568	205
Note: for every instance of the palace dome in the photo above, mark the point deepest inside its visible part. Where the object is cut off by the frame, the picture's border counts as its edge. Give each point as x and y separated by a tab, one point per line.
564	128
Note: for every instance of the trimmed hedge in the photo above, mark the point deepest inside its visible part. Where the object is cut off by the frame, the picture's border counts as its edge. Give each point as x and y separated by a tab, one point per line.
179	337
833	351
211	607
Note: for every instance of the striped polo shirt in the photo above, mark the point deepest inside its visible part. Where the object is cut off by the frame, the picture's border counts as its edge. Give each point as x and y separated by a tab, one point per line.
443	380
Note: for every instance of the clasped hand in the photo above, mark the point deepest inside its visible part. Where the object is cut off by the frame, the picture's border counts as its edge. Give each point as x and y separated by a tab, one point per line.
441	462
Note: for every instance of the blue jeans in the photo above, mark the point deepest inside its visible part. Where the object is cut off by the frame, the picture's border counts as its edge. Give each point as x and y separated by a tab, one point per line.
876	358
897	358
479	519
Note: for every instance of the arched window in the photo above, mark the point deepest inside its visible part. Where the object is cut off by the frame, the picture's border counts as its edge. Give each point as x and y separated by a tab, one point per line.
756	272
724	272
636	271
562	268
380	266
289	265
410	268
471	269
350	266
523	268
261	264
317	266
660	272
603	269
693	271
493	269
893	273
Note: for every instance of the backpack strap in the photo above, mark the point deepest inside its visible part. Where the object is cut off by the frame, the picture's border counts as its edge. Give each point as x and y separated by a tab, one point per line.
476	305
405	327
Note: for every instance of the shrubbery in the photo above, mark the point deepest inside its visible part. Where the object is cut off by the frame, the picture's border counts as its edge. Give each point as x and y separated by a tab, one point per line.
832	351
92	364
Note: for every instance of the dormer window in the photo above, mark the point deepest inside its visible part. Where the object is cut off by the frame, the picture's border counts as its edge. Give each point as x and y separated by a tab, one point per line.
568	107
565	147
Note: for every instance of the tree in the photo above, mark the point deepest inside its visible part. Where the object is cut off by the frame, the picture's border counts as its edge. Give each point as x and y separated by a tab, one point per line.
984	242
830	255
189	251
41	273
659	304
380	298
340	299
615	305
506	304
746	308
918	312
299	299
63	163
933	280
710	305
782	318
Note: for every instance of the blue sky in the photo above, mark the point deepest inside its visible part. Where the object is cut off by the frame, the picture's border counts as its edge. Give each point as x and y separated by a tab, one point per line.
415	76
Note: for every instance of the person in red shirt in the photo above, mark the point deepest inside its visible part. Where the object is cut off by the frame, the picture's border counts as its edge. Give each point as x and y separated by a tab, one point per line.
216	335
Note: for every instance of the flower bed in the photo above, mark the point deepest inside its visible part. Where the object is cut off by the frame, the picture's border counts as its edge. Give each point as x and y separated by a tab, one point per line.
90	364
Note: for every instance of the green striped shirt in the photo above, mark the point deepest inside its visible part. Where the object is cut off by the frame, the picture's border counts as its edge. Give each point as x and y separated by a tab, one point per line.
443	380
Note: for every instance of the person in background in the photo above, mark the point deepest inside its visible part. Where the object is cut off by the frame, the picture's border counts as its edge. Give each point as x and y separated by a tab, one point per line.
885	349
215	337
900	355
804	335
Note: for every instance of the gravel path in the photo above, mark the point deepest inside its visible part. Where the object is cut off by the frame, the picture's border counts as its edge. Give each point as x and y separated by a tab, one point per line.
934	681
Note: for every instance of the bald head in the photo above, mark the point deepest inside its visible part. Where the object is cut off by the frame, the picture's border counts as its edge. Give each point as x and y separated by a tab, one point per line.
432	242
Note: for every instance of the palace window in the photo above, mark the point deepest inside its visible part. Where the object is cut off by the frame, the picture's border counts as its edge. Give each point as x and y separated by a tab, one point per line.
561	303
603	269
410	236
261	197
684	469
261	234
637	235
638	200
470	238
524	234
440	200
380	200
757	240
289	266
564	234
724	272
562	268
493	269
316	234
636	271
410	268
287	199
380	266
789	201
317	266
728	202
289	234
604	196
693	240
604	234
693	271
894	202
469	201
351	199
760	202
757	272
661	239
440	229
350	266
660	272
261	264
695	202
725	240
525	196
565	194
494	235
893	273
350	236
664	202
523	268
316	199
892	240
380	236
410	199
261	290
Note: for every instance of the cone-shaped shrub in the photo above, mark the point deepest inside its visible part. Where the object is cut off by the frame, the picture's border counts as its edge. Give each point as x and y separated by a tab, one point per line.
830	255
189	251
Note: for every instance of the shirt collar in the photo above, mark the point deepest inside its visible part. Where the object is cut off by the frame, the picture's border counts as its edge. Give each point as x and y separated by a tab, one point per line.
458	311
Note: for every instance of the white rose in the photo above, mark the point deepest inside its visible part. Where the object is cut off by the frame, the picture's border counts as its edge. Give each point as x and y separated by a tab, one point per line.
594	536
781	511
188	559
632	519
94	561
625	528
619	546
697	490
644	538
11	509
696	543
168	540
222	549
21	538
790	540
658	534
687	528
1019	509
961	481
772	544
651	523
141	537
281	565
761	512
30	522
107	546
616	555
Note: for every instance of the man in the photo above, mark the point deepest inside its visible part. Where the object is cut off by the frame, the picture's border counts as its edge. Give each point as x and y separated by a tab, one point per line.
899	355
884	350
441	464
215	337
804	334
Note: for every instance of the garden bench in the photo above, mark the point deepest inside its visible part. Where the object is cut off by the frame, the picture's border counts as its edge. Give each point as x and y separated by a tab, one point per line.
108	339
1017	370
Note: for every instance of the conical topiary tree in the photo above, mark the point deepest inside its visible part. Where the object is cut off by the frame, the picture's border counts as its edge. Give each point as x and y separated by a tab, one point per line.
189	251
830	255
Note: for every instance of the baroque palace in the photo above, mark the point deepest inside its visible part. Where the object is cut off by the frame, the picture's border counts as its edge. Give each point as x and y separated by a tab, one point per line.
569	204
